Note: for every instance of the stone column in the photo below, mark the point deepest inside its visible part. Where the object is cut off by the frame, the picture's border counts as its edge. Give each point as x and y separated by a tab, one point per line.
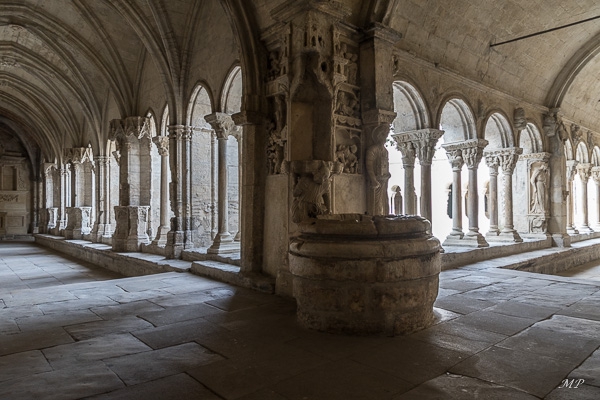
508	160
48	198
62	212
472	154
102	226
408	163
239	137
162	144
457	162
571	170
223	243
584	170
423	146
596	178
492	162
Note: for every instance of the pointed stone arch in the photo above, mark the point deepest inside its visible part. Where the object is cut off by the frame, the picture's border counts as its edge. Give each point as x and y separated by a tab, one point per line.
530	139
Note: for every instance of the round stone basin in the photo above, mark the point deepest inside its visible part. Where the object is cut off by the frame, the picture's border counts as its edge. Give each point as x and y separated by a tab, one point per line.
361	274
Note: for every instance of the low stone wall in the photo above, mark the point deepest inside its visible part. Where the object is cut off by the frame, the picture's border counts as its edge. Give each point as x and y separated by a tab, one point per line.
128	264
464	256
360	274
561	259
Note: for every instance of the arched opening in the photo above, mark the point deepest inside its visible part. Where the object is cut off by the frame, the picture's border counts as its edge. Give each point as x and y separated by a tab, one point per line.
231	102
582	186
204	168
458	123
411	116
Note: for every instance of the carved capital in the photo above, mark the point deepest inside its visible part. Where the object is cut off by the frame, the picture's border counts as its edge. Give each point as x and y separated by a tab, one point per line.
222	124
423	141
162	144
129	128
456	159
408	153
506	158
584	170
571	169
471	151
596	175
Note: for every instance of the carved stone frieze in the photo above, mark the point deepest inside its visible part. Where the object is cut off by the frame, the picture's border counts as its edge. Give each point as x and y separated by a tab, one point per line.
278	134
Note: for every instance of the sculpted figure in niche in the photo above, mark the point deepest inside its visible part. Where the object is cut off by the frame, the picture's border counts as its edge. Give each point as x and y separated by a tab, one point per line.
311	194
347	156
397	199
539	179
378	170
347	104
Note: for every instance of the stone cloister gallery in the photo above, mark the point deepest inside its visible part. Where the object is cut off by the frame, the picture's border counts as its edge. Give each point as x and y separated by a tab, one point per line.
339	153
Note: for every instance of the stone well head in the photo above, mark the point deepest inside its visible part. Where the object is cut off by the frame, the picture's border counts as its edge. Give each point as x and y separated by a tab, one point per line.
361	274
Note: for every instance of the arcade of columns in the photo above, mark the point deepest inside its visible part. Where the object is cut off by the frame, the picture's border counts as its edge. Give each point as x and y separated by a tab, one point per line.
322	156
78	193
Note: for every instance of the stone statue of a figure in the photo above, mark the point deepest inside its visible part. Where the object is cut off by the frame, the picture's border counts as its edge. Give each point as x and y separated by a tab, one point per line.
378	170
311	193
539	182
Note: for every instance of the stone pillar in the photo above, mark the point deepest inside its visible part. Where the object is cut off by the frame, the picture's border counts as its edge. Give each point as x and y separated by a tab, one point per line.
102	226
596	178
133	143
571	170
508	160
584	170
224	126
408	163
492	162
423	144
457	162
162	144
253	185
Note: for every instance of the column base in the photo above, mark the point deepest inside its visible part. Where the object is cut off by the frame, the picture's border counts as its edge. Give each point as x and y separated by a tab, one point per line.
506	236
492	233
572	231
561	240
101	231
174	246
585	229
161	236
130	232
224	244
78	222
454	239
475	239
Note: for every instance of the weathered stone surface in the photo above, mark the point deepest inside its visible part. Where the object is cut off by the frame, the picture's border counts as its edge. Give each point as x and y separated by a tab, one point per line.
371	282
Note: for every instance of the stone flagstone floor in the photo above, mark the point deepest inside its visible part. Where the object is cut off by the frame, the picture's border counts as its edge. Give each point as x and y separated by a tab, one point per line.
70	331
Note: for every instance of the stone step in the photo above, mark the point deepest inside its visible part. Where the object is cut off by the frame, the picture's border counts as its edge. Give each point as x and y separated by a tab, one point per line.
229	273
201	254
